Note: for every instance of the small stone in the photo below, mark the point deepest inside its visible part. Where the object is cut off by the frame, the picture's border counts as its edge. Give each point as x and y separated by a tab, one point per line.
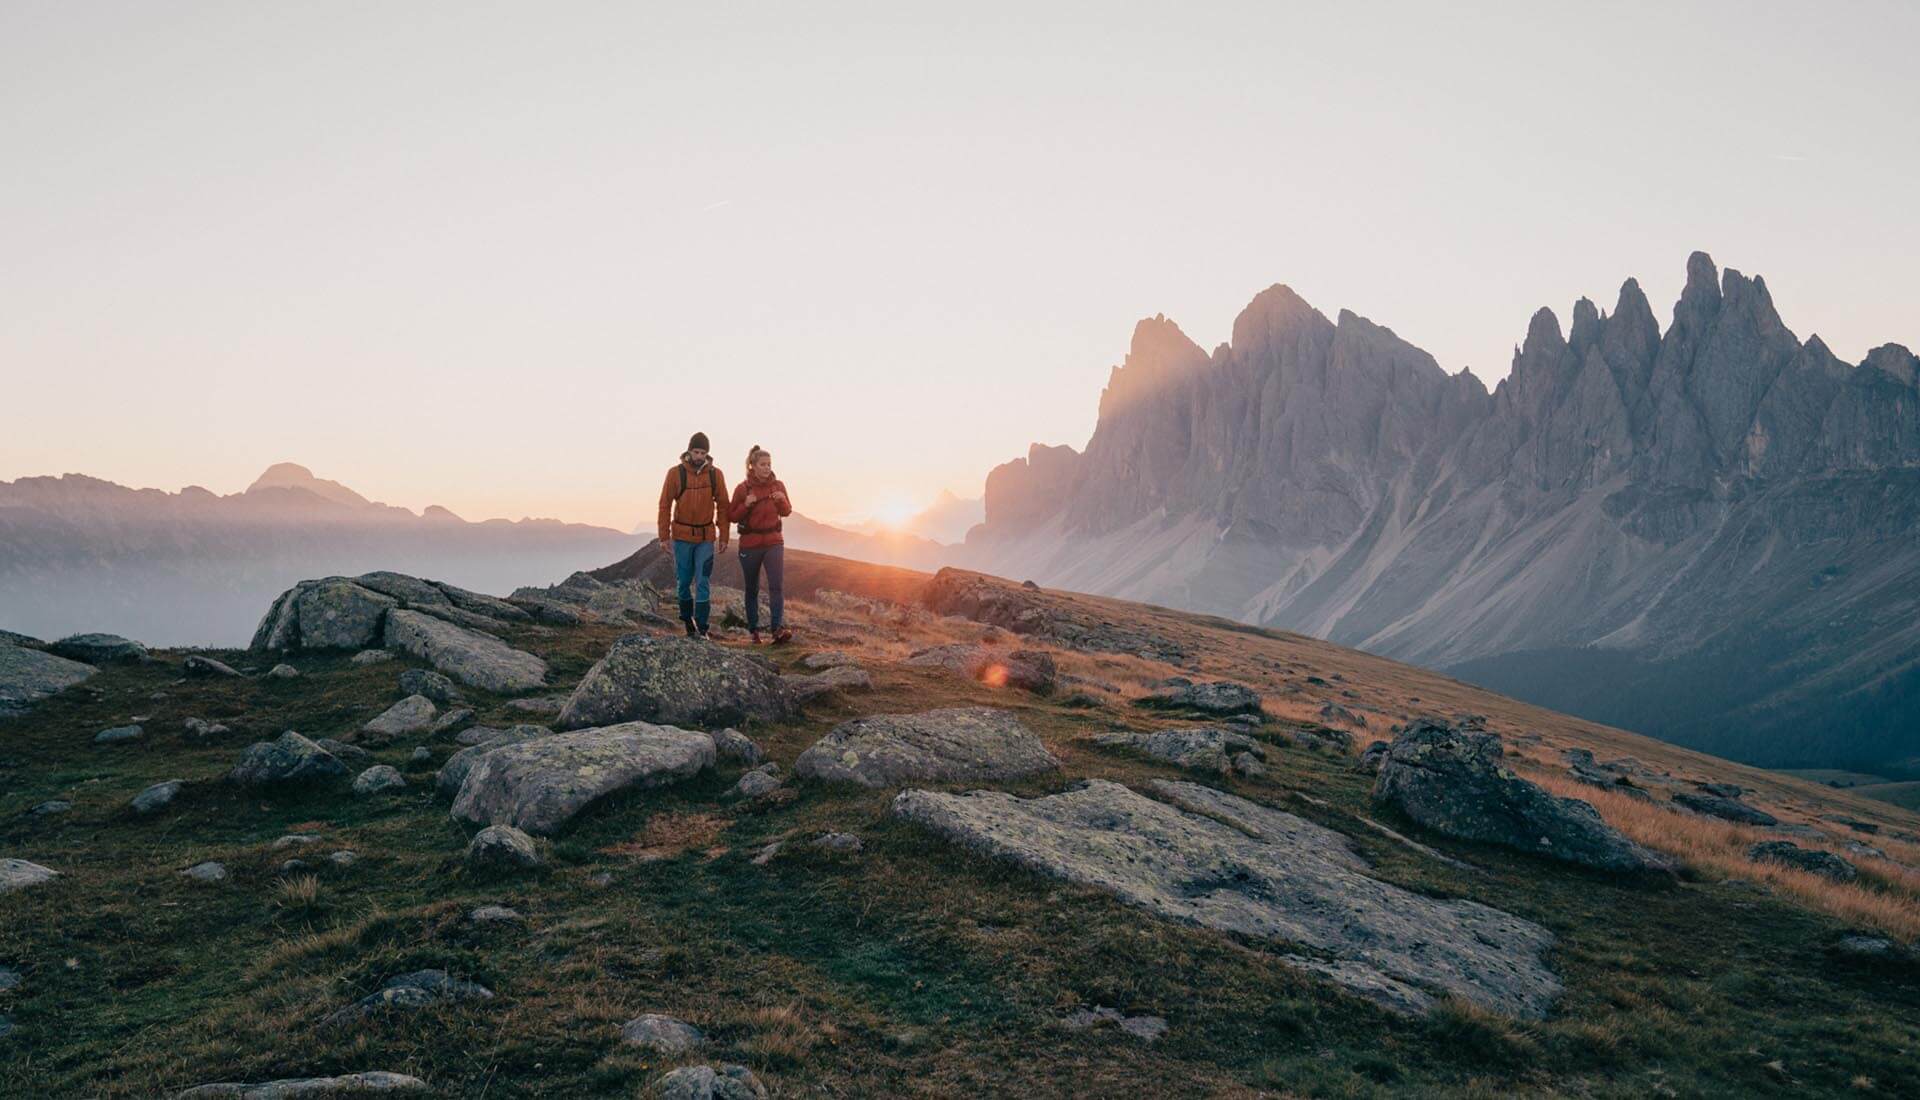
421	755
765	855
294	840
416	990
196	665
1787	853
502	848
157	797
9	979
289	760
754	784
119	734
727	1082
50	807
371	657
283	671
844	843
208	872
543	705
414	714
18	874
292	865
494	914
433	685
826	659
661	1034
1247	765
378	779
201	728
347	754
369	1083
731	744
451	720
6	1026
344	858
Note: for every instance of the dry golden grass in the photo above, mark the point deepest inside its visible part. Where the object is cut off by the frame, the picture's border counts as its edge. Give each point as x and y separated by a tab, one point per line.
1887	898
785	1034
667	835
297	894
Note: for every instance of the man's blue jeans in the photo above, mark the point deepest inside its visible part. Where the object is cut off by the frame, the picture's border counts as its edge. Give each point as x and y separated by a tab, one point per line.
693	573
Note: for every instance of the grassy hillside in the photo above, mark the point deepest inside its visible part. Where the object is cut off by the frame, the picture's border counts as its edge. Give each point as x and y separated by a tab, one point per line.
909	968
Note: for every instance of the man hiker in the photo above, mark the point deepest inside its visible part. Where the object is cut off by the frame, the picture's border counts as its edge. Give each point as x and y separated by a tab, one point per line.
693	528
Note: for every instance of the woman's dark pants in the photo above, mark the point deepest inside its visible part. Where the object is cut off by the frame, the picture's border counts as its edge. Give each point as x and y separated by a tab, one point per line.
773	558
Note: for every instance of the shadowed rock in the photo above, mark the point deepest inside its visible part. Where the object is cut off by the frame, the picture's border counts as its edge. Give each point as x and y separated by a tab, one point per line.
540	784
289	759
1455	781
1824	864
728	1082
502	848
954	745
30	675
197	665
1218	698
157	797
1208	858
416	990
476	659
419	681
662	1034
676	681
1026	669
414	714
847	678
1209	750
1724	808
99	649
378	779
18	874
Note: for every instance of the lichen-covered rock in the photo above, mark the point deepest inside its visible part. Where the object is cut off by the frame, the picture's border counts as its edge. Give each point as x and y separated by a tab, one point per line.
289	759
676	681
1787	853
1026	669
414	714
283	671
370	1083
99	649
826	659
30	675
1204	749
952	745
731	744
420	681
540	784
1198	855
476	659
1218	698
502	848
1723	807
762	780
727	1082
198	665
1455	781
842	678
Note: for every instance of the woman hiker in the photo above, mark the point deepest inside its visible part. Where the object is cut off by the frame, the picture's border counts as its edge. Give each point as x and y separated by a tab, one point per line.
758	504
693	528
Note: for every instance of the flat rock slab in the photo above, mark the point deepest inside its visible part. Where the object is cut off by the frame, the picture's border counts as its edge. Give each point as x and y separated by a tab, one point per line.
953	745
839	678
540	784
18	874
289	759
1455	781
371	1083
1208	750
30	675
1219	697
475	659
99	649
1724	808
676	681
1224	862
414	714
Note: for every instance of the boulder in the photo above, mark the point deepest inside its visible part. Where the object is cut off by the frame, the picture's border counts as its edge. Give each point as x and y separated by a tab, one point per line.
370	1083
18	874
377	780
661	1034
676	681
805	689
450	721
1027	669
411	715
1724	808
99	649
540	784
762	780
843	843
196	665
1219	698
290	759
351	755
1208	750
727	1082
475	659
1334	712
954	745
420	681
330	613
30	675
1455	781
826	659
1787	853
453	773
502	848
157	797
283	671
1197	855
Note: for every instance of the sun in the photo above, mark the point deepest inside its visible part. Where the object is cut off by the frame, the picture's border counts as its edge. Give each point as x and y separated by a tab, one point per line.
895	510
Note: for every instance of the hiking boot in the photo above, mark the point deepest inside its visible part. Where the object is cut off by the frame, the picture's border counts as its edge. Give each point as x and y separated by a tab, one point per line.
782	636
691	632
756	636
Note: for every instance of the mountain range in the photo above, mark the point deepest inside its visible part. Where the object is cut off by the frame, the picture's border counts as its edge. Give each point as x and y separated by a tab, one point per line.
1706	534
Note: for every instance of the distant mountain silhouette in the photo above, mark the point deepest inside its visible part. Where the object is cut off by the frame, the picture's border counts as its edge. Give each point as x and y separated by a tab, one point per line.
78	553
1710	534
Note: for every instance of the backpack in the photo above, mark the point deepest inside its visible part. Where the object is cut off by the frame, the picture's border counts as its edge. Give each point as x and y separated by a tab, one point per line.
713	489
746	530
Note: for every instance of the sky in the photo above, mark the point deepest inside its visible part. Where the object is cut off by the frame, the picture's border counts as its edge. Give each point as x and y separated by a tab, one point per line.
506	257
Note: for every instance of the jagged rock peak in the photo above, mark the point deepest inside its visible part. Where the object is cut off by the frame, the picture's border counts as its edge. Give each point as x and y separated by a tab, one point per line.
292	475
1703	279
1274	312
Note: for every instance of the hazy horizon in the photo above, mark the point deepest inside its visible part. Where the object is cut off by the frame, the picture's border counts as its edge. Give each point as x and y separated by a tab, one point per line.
505	263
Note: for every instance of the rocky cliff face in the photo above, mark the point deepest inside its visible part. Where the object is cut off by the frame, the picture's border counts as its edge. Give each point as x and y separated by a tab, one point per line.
1707	534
